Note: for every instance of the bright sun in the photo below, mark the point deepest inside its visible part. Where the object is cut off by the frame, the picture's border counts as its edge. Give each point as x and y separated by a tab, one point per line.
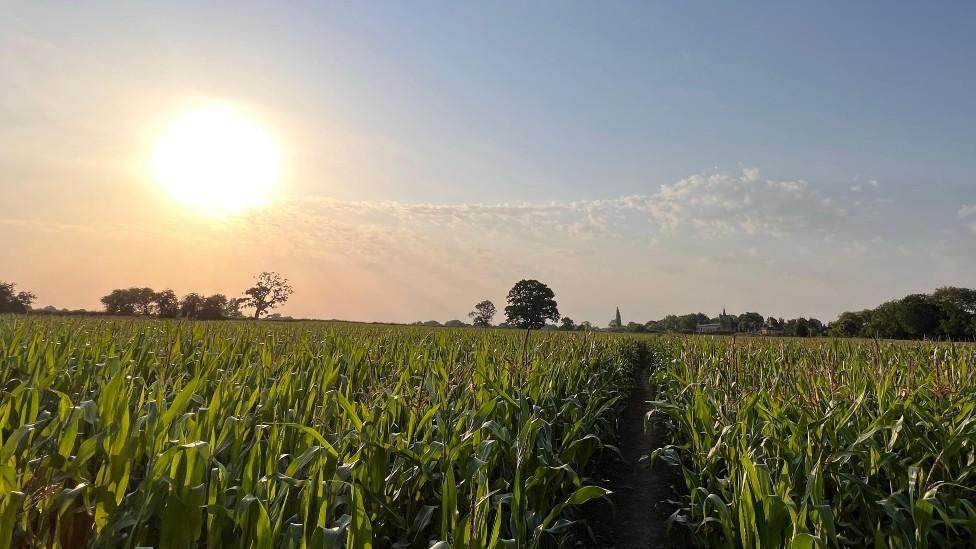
217	160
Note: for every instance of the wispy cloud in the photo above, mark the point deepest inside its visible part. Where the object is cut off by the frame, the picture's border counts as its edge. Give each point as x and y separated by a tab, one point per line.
738	227
704	207
709	206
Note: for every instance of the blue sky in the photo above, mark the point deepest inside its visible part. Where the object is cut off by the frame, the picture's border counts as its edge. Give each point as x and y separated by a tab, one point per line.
796	159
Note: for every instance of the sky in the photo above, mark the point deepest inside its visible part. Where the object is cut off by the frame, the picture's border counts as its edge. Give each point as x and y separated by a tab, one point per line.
661	157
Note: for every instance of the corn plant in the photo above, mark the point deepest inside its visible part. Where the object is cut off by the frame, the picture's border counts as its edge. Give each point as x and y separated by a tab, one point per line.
822	443
130	433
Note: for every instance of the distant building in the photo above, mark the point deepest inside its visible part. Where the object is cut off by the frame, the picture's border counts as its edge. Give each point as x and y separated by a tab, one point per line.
727	322
710	328
723	324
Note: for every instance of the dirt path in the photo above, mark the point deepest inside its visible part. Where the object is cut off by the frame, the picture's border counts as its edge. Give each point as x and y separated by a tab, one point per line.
640	492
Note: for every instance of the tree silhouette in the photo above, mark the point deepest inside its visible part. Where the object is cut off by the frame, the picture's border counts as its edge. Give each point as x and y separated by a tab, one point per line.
120	301
213	307
12	301
483	313
269	291
233	307
194	306
530	304
190	305
167	304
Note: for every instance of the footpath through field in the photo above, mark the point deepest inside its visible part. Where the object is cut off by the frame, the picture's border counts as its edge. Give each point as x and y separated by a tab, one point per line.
640	491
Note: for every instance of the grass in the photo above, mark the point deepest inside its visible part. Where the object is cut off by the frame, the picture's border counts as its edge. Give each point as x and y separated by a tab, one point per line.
129	433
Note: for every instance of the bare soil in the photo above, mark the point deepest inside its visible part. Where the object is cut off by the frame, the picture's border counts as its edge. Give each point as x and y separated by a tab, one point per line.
639	515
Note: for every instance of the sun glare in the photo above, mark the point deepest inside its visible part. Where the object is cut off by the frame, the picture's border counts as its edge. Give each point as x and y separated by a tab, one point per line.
217	160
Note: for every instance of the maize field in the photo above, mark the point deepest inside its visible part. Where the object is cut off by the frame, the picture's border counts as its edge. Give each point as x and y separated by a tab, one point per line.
821	443
135	433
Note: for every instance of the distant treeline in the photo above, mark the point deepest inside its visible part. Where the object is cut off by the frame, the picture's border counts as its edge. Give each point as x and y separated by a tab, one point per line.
946	313
750	322
269	291
686	324
165	304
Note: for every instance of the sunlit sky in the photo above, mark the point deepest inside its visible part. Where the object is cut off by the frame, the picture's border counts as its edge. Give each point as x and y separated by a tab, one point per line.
663	157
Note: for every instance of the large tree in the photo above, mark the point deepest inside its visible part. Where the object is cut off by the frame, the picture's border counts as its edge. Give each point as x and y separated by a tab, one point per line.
816	327
144	300
269	291
190	305
167	304
130	301
670	323
799	327
213	307
530	304
233	307
139	301
12	301
750	322
919	315
483	313
117	302
884	322
689	323
850	324
958	312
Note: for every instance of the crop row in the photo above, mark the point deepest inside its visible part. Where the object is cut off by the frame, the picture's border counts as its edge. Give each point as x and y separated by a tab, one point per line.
135	433
825	443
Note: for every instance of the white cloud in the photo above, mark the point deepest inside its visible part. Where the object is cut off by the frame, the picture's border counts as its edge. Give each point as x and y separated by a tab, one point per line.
698	233
707	206
721	205
702	207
